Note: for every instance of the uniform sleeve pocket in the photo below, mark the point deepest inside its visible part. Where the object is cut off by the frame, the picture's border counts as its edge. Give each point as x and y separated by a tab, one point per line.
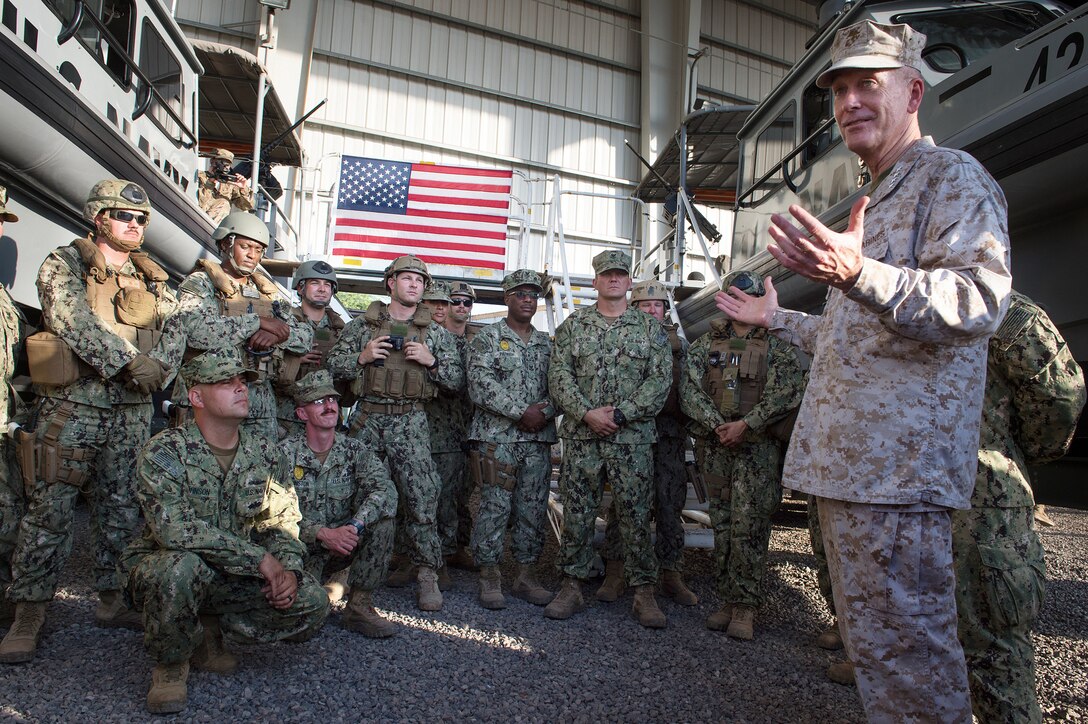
1013	579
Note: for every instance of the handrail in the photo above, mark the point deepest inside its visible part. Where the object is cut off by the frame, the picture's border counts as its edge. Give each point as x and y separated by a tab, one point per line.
142	104
781	165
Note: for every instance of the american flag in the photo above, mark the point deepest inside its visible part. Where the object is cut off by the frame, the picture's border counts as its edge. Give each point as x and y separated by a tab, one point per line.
446	215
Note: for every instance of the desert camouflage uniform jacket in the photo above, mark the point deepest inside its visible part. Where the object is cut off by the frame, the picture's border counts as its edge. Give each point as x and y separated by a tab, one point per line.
597	362
891	413
352	483
505	376
1034	396
230	520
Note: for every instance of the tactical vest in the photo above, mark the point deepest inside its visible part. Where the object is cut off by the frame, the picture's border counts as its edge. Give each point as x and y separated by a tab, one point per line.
737	370
325	339
236	299
397	378
672	402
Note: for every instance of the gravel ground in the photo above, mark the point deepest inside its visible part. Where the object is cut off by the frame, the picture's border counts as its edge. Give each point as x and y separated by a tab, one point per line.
466	663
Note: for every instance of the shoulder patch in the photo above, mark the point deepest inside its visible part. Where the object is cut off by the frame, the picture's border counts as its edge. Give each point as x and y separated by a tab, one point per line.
163	460
1016	320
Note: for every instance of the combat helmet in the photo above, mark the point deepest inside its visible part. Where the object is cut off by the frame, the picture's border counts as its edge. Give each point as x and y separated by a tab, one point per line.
648	290
314	269
115	193
745	281
404	263
242	223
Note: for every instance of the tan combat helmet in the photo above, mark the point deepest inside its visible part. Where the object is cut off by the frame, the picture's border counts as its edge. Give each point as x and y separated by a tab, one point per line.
244	224
648	290
316	269
745	281
407	263
115	193
222	154
6	215
437	291
462	289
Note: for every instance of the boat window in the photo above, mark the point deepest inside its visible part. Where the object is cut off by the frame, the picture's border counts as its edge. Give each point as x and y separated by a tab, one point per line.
772	145
958	37
816	110
164	71
109	40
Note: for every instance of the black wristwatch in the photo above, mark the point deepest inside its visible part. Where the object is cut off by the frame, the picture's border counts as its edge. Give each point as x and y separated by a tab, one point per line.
434	365
618	417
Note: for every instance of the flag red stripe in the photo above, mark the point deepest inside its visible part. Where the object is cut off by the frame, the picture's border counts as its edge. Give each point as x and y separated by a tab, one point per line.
428	213
427	258
486	188
422	229
462	170
458	201
424	243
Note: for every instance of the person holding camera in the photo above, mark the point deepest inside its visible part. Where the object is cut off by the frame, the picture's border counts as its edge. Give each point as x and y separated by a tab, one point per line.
396	358
220	190
738	380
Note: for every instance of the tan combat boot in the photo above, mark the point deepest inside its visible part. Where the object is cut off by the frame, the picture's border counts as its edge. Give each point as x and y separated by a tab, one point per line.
212	655
113	613
360	616
568	602
527	588
168	693
741	625
428	596
613	586
645	607
719	620
400	572
445	581
462	559
21	643
830	639
673	586
842	672
491	588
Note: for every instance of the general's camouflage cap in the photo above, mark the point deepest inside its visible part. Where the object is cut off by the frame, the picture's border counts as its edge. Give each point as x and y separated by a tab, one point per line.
215	365
437	291
611	259
522	278
407	263
115	193
314	386
745	281
874	45
648	290
222	153
463	289
314	269
6	215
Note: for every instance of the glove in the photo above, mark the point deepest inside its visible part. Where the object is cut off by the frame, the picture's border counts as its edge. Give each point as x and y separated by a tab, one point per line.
145	375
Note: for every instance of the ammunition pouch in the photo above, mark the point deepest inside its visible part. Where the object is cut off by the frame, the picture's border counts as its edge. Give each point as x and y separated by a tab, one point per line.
52	361
45	459
136	307
397	377
717	486
487	470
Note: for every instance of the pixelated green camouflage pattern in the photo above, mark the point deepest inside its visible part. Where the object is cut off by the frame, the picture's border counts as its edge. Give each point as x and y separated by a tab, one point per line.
611	259
352	483
1034	395
12	502
285	404
450	411
216	199
816	539
523	510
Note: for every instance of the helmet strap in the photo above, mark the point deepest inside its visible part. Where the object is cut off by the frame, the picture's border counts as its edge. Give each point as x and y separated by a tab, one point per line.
103	228
234	260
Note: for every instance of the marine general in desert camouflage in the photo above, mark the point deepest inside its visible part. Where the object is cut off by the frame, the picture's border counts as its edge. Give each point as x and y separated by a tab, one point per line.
887	436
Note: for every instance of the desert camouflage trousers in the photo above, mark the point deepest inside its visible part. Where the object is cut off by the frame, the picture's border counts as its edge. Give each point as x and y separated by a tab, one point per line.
454	516
12	505
526	505
891	571
1000	581
744	489
367	564
113	438
816	537
587	464
670	493
173	588
403	442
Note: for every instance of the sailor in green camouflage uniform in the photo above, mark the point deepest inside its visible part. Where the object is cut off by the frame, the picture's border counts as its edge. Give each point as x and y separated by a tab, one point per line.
315	282
347	502
1034	396
396	358
670	478
738	381
12	504
233	303
512	431
609	376
221	548
103	306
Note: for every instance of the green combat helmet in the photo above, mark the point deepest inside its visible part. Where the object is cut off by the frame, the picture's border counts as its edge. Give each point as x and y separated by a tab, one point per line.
407	263
745	281
317	269
463	289
115	193
437	291
648	290
242	223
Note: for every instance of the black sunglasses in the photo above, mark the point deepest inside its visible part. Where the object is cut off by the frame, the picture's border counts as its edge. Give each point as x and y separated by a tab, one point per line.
127	216
522	294
461	302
